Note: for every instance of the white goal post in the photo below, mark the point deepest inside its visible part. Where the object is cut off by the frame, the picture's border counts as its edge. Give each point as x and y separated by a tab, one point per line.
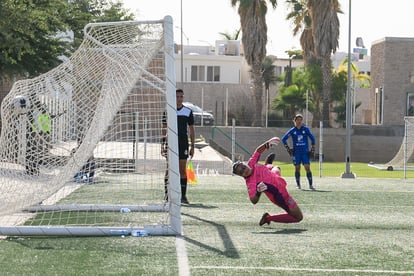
406	151
80	151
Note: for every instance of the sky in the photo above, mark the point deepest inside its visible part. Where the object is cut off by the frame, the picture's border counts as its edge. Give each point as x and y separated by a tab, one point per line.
371	20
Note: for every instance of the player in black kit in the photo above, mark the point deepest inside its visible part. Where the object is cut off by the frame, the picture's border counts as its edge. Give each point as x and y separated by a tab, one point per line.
185	128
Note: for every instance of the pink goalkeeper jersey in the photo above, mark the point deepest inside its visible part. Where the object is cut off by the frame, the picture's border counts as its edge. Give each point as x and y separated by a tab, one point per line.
276	185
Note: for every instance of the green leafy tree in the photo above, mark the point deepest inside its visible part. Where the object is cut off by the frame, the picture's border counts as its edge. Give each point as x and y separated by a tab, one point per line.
268	72
254	38
339	87
314	79
35	34
31	36
325	31
82	12
292	99
364	80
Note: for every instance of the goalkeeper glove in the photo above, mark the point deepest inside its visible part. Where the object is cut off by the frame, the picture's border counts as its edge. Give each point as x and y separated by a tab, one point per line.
289	150
261	187
312	151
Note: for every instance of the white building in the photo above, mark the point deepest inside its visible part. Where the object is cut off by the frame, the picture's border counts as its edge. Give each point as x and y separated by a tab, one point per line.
223	63
218	78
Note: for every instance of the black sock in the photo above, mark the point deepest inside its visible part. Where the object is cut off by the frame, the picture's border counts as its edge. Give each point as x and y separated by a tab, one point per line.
183	182
297	177
309	176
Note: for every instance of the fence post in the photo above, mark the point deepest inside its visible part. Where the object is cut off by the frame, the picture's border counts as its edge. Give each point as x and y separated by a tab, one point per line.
233	140
320	147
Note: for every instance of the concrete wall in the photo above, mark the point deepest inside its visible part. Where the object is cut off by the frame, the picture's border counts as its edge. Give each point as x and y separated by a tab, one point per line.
368	143
392	64
216	97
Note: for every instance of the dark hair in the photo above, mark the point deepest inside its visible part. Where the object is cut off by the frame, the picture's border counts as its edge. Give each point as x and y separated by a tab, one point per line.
235	165
179	90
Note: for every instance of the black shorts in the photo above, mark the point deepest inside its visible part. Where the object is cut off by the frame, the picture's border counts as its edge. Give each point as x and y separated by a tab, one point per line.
183	148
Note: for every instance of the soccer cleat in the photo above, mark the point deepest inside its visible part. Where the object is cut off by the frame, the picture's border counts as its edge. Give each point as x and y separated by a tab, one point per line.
269	159
184	200
311	187
298	186
264	220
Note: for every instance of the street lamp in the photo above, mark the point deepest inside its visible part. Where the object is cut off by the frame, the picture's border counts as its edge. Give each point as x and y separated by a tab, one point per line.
348	173
186	37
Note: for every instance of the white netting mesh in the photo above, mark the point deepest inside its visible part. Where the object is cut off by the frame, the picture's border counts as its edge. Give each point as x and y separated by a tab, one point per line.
405	153
95	119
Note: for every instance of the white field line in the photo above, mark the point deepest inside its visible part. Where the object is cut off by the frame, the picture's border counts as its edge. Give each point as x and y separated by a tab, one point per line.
363	191
306	269
247	203
183	267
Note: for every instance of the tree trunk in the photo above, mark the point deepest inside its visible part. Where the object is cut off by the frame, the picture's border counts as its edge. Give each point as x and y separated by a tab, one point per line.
258	92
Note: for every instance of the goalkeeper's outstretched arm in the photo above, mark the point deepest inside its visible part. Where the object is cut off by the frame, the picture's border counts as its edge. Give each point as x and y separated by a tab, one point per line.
266	145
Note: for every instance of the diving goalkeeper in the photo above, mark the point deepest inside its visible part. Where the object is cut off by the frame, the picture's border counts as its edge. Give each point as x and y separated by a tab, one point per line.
266	179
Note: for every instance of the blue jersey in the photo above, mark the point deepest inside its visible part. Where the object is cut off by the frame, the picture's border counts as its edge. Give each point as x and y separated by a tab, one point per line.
300	138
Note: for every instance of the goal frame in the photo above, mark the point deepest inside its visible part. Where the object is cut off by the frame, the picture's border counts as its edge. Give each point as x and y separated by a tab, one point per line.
172	206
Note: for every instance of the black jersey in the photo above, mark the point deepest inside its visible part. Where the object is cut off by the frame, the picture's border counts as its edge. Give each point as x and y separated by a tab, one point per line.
185	118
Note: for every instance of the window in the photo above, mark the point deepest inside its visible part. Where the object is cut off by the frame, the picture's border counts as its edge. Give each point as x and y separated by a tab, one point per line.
197	73
410	104
213	73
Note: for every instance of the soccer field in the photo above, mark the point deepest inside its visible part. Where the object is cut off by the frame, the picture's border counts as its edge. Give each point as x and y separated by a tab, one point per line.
350	227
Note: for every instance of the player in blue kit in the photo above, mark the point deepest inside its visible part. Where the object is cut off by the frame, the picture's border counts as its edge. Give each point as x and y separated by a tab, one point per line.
300	148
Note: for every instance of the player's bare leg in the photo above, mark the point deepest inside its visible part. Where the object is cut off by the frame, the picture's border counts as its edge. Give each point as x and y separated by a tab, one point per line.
292	216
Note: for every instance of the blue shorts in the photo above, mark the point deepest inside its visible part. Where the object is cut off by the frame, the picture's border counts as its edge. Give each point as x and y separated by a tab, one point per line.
301	158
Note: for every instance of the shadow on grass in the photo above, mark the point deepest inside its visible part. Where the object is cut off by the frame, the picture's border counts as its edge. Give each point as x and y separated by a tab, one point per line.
230	250
315	191
199	205
282	231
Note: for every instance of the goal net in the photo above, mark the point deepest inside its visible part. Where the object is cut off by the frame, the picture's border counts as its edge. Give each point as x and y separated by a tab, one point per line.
405	153
80	146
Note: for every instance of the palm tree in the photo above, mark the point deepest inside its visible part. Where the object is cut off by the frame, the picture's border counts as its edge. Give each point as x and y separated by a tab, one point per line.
325	31
254	39
233	36
269	77
301	20
362	78
268	69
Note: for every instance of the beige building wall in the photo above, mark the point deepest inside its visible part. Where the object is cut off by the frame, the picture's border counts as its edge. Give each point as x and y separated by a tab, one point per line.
392	79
